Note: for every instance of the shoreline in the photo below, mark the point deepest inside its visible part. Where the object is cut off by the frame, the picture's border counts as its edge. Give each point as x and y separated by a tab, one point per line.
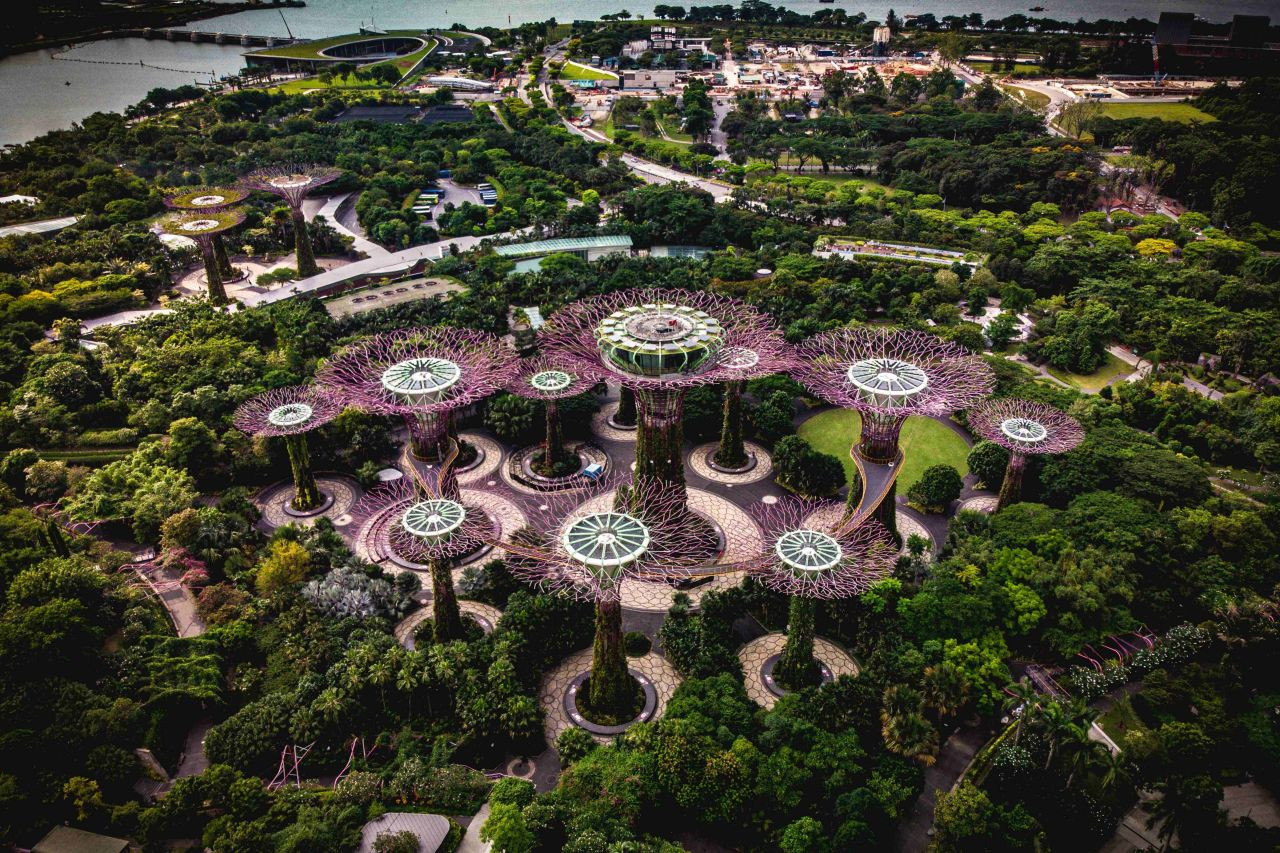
179	17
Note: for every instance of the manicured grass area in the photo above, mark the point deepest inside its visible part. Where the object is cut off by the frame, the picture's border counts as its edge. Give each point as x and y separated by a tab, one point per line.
310	84
1018	68
1096	381
925	442
1184	113
312	49
1034	100
672	129
574	71
1121	721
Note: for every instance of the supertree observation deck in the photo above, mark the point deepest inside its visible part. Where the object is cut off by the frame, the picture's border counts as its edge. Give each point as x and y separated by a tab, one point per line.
292	182
422	375
586	543
887	375
203	226
207	199
814	551
290	413
408	523
1024	428
551	380
659	343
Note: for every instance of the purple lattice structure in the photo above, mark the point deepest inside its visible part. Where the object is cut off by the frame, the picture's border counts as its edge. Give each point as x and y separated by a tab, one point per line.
421	375
887	375
586	542
204	226
1024	428
416	528
290	181
287	411
658	343
816	550
548	379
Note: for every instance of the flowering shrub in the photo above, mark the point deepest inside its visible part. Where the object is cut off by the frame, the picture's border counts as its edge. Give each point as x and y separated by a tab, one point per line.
1180	643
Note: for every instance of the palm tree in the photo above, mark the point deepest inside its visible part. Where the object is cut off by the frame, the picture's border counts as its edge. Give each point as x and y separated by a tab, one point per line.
1115	771
380	675
945	689
1024	702
407	681
1184	803
904	728
330	704
1056	724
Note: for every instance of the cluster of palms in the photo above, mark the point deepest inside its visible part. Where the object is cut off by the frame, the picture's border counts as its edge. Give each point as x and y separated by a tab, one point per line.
1063	726
911	715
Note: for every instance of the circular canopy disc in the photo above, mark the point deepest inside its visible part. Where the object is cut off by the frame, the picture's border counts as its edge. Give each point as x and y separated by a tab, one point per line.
551	380
433	519
421	377
1024	430
606	539
887	381
655	340
290	414
808	550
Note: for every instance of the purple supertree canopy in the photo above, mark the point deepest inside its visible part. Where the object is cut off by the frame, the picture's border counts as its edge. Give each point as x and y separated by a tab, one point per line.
287	411
892	372
200	225
545	378
812	549
665	338
583	544
1025	426
403	519
418	371
290	181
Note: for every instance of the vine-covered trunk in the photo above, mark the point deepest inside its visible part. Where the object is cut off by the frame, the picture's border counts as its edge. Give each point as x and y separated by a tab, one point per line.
626	414
796	667
217	293
447	624
660	437
887	513
428	435
224	262
611	688
553	450
306	494
732	453
1011	487
302	245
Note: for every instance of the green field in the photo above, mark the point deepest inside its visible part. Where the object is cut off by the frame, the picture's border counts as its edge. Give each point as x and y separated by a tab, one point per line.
311	49
1121	721
309	84
673	131
574	71
925	442
1034	100
1096	381
1179	112
1018	68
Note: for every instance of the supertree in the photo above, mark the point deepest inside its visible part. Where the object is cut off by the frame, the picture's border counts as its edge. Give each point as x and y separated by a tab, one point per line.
732	452
203	226
589	541
291	413
205	199
888	375
813	550
549	380
292	182
416	525
659	343
421	374
1024	428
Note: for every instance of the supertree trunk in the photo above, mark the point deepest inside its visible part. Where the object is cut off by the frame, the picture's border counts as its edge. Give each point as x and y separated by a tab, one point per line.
879	439
732	453
611	684
447	619
217	293
302	243
1011	488
887	513
306	493
553	449
224	262
796	667
660	437
626	414
428	435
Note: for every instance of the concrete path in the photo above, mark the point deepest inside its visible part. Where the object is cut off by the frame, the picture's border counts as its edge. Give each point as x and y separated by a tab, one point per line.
359	242
193	761
954	757
471	842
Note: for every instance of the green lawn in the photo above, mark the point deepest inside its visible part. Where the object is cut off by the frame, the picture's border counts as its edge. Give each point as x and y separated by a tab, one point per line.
574	71
1018	68
313	48
673	131
1184	113
925	442
1096	381
1034	100
1120	721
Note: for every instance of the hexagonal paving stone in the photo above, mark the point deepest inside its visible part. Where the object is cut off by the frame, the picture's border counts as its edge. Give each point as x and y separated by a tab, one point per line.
754	654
